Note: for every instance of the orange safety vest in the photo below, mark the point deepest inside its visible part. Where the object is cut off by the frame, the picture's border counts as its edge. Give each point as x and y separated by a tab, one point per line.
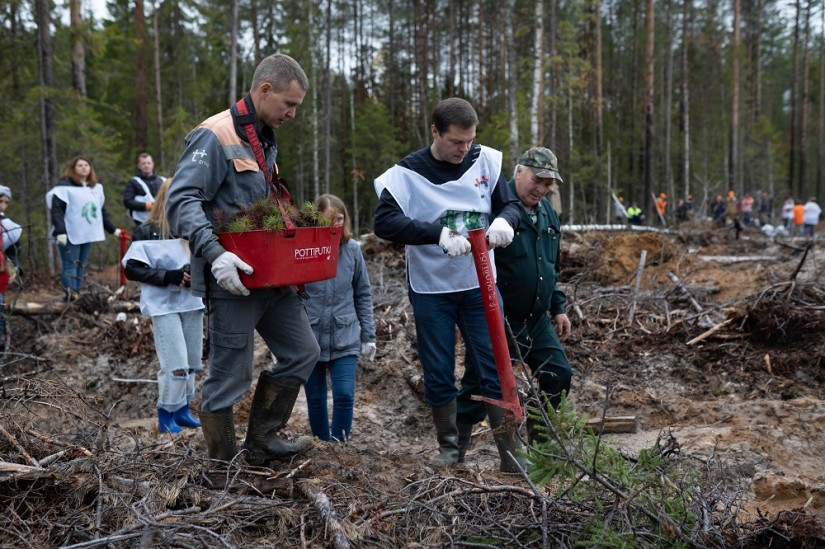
799	214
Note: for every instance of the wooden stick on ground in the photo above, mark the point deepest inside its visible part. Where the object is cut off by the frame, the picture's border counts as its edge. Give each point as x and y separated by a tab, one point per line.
17	445
324	507
681	287
642	260
49	440
710	332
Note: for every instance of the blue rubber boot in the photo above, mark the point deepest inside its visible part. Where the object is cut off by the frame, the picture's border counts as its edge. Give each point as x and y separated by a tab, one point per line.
166	423
183	417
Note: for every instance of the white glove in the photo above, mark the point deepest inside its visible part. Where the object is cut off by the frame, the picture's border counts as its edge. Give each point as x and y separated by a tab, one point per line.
225	270
500	233
62	239
368	350
453	243
117	233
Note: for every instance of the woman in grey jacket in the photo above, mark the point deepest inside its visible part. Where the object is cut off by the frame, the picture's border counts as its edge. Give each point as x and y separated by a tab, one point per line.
340	312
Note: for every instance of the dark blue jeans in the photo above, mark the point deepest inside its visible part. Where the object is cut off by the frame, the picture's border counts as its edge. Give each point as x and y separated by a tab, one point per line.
342	378
73	259
436	316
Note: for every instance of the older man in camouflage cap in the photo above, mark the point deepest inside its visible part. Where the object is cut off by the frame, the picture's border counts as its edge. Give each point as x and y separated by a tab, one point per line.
528	270
546	166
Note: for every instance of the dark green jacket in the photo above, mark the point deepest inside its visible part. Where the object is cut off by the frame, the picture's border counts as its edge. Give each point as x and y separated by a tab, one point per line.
528	268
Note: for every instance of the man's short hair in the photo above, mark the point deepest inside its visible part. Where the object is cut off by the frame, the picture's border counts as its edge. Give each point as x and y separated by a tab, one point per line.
279	70
454	110
141	156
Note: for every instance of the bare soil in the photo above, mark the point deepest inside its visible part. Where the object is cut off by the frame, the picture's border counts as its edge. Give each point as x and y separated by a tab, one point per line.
748	398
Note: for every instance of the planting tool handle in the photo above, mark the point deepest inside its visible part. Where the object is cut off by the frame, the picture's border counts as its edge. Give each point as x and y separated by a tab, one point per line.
124	244
495	324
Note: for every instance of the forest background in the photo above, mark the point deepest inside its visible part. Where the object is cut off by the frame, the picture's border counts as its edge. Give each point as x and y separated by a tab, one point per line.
635	97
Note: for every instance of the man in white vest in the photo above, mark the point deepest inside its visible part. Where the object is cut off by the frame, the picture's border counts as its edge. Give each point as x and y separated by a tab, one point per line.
141	189
429	201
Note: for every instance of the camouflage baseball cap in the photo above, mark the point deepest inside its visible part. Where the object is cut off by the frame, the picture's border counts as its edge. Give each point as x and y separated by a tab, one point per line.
543	161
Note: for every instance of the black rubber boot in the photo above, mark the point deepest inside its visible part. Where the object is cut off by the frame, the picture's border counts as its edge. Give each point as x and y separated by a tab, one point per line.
219	431
271	407
465	438
447	434
506	439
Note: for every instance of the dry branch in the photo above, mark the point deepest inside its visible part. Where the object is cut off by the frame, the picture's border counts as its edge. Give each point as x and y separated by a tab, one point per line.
729	259
681	287
11	438
639	271
323	505
709	333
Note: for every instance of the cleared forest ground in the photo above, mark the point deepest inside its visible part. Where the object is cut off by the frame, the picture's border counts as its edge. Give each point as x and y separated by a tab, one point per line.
719	355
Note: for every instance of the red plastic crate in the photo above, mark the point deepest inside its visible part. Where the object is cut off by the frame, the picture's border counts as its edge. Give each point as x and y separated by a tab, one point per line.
309	254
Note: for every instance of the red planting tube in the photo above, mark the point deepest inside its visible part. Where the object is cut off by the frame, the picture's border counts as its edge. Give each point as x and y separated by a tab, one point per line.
495	324
124	244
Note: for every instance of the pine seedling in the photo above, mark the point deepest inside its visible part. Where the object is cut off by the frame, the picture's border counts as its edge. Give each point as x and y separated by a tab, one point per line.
273	223
220	220
240	225
261	209
650	491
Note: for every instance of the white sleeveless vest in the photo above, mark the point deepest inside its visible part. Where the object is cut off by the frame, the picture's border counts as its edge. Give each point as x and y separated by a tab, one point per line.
142	216
163	254
84	211
461	205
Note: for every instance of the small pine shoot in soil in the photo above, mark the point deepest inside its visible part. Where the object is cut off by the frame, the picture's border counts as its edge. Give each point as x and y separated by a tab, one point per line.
653	493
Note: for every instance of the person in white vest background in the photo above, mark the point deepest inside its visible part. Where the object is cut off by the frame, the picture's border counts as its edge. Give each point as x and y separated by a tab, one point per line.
160	263
79	218
9	237
141	190
812	211
428	202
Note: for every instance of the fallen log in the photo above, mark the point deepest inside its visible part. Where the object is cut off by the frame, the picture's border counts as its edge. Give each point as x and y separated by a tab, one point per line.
11	470
615	424
126	307
60	307
728	259
31	308
613	227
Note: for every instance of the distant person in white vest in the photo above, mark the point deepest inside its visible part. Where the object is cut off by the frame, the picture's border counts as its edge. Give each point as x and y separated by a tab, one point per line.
79	218
141	190
9	237
811	215
428	202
